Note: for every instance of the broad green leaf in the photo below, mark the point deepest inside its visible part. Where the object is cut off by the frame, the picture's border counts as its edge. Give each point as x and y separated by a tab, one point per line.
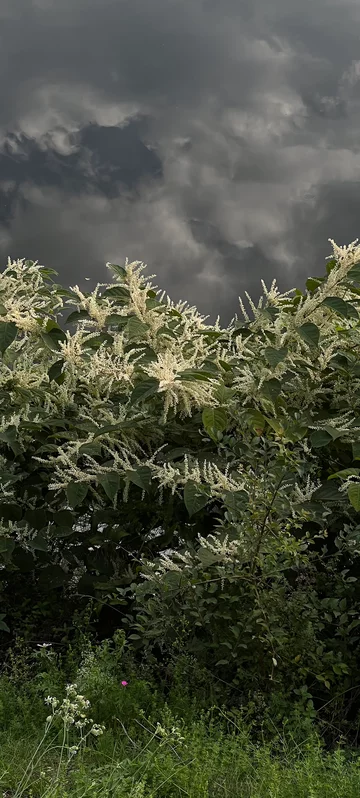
64	518
136	328
354	273
195	497
346	472
93	449
331	264
140	476
154	304
53	339
174	454
37	519
10	512
310	333
76	492
341	307
356	450
206	556
9	436
120	271
146	355
7	546
214	420
111	483
77	315
62	532
275	356
8	332
109	428
3	310
275	425
3	626
354	495
203	376
236	500
38	543
55	371
118	292
335	433
116	320
312	284
320	438
256	420
271	389
144	389
98	340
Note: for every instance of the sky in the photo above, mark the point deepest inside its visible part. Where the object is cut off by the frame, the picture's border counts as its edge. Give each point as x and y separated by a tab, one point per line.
218	142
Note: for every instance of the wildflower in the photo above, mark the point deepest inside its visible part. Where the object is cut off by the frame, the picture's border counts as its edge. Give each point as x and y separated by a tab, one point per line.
124	684
97	730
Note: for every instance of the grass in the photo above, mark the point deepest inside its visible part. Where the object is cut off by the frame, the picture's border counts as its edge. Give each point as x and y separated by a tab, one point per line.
153	746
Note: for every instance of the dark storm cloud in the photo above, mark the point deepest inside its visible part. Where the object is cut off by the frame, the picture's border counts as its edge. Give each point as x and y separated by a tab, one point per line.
215	141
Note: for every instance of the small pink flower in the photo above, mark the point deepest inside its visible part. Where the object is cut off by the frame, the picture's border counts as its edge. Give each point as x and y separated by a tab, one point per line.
124	684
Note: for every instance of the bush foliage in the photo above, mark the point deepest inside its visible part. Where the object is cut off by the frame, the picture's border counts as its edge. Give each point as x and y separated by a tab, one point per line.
201	482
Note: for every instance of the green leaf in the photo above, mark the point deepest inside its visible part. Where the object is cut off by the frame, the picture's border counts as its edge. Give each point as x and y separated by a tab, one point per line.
136	328
64	518
271	389
187	375
107	428
53	339
354	273
144	389
120	271
214	420
8	332
111	483
3	626
256	420
356	450
354	495
77	315
207	557
346	472
140	476
98	340
342	308
118	292
3	310
39	543
93	449
320	438
195	497
331	264
310	333
9	436
312	284
10	512
7	546
55	371
116	320
154	304
62	532
275	356
76	492
236	500
37	519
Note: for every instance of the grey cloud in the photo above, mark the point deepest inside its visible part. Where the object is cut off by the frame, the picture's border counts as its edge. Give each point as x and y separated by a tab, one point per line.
229	138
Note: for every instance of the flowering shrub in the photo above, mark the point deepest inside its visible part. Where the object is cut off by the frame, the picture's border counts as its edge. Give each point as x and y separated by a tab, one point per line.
219	462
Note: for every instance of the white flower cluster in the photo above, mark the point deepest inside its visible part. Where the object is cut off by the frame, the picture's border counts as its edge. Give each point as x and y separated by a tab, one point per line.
73	712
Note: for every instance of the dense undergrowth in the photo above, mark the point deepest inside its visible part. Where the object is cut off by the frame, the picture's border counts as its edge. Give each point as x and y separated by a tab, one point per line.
157	742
